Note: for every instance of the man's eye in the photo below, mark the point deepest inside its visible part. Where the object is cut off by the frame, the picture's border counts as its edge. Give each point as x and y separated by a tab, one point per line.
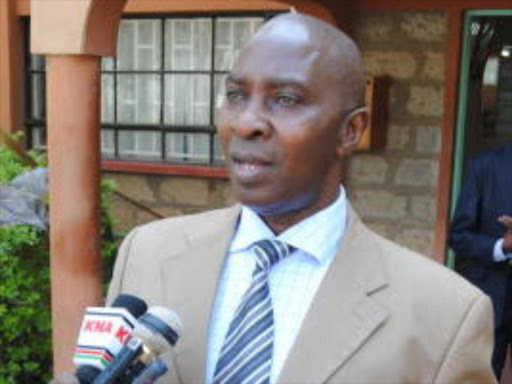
235	95
287	100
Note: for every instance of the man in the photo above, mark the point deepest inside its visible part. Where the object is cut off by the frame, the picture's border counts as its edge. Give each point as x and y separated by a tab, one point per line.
339	303
481	236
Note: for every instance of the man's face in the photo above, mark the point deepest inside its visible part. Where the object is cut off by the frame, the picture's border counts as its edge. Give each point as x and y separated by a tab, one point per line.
279	127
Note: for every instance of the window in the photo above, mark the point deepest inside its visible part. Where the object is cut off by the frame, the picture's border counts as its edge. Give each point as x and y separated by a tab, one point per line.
160	92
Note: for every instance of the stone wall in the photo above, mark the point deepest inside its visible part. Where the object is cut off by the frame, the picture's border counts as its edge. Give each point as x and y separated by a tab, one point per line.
166	195
394	189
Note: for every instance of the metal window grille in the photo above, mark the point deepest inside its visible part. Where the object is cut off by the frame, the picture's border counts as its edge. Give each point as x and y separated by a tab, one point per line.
160	93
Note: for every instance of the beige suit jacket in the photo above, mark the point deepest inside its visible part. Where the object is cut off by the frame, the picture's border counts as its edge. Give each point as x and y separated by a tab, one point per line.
382	314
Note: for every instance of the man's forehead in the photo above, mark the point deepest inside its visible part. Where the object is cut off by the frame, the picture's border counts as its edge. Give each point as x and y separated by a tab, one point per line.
276	58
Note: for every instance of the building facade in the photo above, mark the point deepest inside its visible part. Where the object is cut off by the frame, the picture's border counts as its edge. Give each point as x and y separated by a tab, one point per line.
152	101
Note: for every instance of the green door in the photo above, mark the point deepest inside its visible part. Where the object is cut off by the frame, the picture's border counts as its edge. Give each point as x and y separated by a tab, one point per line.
484	112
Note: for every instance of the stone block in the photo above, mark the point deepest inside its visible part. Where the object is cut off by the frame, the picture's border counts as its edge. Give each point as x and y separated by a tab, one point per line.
123	215
220	193
137	187
417	173
433	67
367	169
168	210
398	136
144	217
424	26
399	65
228	197
379	204
424	208
428	139
425	100
184	191
419	240
372	27
380	228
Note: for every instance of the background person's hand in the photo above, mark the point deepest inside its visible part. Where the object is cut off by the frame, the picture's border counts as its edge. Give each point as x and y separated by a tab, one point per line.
65	378
507	241
507	238
506	220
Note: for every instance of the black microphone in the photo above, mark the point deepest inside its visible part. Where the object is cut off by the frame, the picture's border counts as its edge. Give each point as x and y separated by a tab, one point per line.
103	332
152	372
156	332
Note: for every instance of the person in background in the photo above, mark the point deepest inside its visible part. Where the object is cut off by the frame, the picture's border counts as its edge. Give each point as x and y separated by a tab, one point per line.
481	236
289	286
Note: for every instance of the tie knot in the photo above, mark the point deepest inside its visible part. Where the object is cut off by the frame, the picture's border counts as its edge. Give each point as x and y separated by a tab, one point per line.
270	252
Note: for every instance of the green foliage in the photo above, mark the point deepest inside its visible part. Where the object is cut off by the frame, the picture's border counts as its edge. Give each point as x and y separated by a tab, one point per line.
25	329
110	241
25	318
10	164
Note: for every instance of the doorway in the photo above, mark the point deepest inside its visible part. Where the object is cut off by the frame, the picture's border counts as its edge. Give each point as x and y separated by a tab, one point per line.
484	113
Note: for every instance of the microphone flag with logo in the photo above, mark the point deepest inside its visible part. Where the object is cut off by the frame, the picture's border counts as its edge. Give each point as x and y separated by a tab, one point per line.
105	330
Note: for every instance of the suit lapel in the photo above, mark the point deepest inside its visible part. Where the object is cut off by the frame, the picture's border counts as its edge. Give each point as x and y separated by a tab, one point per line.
343	315
192	295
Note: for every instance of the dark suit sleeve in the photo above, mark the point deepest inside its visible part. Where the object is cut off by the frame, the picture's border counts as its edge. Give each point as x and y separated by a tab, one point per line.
466	237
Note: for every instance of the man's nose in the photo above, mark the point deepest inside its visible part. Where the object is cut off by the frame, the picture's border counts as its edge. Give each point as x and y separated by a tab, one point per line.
252	122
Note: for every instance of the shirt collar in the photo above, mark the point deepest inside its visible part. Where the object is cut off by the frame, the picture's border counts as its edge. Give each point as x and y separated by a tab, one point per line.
314	235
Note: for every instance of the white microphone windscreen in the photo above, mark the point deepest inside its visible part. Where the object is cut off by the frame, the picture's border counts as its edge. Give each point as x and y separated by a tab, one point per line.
159	329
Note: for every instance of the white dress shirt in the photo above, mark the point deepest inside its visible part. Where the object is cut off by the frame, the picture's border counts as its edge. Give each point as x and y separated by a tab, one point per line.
498	254
293	281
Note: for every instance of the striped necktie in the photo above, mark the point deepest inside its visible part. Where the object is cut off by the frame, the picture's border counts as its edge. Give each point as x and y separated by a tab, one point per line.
246	355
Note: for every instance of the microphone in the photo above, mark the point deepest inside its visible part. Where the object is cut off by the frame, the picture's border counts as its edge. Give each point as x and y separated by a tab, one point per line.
103	333
156	332
157	338
152	372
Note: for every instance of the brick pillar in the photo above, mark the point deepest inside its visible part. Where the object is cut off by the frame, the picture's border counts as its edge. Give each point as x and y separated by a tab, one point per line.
73	97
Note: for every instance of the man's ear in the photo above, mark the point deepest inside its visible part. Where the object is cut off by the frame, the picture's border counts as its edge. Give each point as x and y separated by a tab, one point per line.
351	130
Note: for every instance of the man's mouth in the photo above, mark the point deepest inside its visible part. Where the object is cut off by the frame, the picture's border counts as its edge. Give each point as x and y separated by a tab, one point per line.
249	168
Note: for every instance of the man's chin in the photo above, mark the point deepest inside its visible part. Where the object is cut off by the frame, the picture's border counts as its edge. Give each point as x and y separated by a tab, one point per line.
273	208
260	204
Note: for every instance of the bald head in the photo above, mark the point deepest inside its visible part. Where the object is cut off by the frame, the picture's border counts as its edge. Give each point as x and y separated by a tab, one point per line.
337	53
